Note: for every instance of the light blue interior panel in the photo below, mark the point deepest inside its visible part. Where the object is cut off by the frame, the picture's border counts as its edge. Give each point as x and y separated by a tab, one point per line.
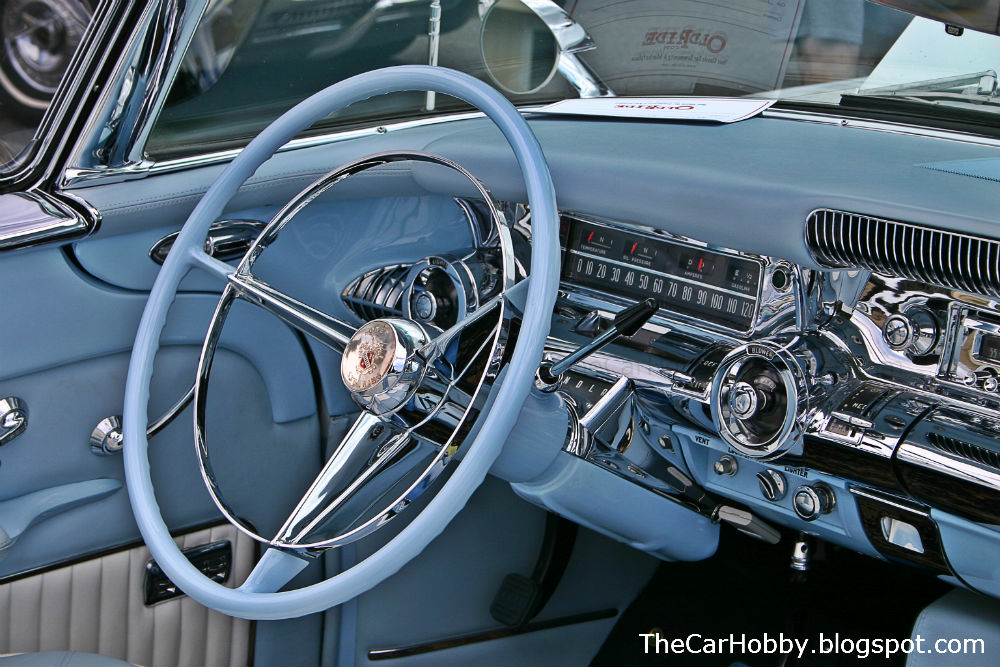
448	589
598	499
841	526
971	550
84	319
744	177
68	401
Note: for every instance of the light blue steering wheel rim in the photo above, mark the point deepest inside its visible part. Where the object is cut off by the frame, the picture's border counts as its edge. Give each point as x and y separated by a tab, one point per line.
496	424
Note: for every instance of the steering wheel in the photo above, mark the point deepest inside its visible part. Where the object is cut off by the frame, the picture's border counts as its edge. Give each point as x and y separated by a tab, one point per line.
387	365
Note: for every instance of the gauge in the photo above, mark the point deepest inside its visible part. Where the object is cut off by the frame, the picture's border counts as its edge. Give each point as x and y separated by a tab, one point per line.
925	331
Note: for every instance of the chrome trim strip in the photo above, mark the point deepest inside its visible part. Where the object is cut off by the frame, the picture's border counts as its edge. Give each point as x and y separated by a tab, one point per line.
840	239
887	499
878	126
81	177
942	463
29	218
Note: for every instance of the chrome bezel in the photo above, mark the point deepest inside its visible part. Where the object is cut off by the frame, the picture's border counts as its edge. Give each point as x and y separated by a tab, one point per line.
793	379
769	303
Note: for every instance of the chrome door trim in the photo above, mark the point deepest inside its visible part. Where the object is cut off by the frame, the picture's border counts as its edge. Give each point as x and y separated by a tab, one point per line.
70	103
33	217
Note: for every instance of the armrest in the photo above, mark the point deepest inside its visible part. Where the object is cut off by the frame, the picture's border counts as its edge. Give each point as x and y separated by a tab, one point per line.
18	514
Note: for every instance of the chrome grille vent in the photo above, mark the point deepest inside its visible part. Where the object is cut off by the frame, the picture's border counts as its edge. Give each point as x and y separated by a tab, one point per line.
965	450
902	250
378	293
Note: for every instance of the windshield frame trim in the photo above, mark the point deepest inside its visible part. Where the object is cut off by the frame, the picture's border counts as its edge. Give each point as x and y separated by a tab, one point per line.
81	177
74	178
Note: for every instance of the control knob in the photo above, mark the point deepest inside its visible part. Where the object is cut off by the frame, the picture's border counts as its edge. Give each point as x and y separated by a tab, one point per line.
812	501
726	466
772	484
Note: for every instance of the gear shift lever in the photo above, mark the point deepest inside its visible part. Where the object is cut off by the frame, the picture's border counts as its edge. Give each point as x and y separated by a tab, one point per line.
626	323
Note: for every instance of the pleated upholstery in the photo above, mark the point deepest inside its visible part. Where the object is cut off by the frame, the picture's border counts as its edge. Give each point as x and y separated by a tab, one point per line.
96	607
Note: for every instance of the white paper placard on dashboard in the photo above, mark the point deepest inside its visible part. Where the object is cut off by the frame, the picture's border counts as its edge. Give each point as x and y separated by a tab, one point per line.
717	109
689	47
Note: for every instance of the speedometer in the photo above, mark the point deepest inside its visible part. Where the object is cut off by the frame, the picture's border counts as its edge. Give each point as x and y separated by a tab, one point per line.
706	284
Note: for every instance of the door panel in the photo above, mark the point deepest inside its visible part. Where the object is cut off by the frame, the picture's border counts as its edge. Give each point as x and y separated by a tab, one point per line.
96	606
64	350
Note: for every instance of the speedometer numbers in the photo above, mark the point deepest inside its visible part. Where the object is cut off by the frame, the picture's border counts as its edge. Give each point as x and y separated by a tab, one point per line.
713	286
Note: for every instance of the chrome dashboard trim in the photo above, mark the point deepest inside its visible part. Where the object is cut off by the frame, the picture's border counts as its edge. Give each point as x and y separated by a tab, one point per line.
80	177
887	499
963	469
839	239
878	126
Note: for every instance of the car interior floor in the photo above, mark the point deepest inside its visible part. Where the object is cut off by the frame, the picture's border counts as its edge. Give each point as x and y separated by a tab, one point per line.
749	589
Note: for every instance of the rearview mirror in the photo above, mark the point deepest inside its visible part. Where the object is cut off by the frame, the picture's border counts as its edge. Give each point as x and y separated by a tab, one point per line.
979	15
519	50
525	42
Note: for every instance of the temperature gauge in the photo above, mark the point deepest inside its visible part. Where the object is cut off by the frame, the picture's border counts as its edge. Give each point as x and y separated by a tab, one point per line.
595	239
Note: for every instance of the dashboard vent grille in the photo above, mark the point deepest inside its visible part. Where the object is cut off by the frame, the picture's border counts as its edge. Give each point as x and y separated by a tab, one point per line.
965	450
378	293
903	250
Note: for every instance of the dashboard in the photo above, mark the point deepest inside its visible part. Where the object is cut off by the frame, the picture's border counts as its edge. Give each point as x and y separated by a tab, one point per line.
849	391
855	404
856	399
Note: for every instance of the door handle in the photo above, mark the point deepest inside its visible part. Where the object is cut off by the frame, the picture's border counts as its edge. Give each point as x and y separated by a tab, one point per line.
13	418
227	239
19	514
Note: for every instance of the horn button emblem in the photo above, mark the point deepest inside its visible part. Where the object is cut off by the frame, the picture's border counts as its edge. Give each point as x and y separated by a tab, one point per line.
379	366
368	356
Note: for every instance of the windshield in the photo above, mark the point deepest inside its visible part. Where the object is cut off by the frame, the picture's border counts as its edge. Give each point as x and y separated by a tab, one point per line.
249	61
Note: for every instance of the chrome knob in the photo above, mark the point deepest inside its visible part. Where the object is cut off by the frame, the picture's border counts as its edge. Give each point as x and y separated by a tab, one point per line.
897	332
13	418
743	400
726	466
772	484
812	501
106	438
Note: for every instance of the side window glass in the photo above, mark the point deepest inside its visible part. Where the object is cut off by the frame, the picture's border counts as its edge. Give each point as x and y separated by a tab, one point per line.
37	40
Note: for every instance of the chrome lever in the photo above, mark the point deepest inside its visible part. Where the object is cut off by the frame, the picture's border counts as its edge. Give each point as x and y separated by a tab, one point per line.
626	323
227	239
13	418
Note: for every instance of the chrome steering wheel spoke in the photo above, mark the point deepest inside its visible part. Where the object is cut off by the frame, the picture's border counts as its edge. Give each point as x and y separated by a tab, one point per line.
370	451
328	330
419	395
